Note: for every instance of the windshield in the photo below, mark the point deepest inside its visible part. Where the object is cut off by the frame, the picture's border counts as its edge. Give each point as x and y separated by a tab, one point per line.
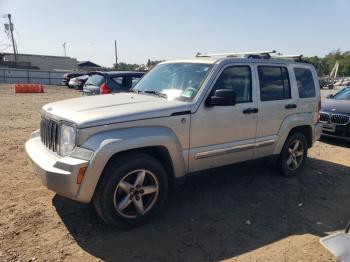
343	94
174	81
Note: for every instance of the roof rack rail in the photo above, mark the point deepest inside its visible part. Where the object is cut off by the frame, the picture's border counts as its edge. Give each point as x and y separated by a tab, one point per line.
257	54
296	58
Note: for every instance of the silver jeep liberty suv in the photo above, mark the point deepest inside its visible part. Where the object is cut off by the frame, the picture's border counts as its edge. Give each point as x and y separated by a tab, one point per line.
123	151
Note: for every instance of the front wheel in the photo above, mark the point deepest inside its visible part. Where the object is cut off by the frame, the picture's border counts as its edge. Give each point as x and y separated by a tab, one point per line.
293	155
131	191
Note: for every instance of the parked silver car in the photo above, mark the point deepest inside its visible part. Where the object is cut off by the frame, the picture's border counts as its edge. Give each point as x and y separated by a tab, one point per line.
123	151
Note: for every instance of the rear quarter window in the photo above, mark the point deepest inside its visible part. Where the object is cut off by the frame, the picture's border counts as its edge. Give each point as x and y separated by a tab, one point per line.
95	80
305	82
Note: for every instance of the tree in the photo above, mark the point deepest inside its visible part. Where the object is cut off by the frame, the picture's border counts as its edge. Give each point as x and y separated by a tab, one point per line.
324	65
151	63
122	66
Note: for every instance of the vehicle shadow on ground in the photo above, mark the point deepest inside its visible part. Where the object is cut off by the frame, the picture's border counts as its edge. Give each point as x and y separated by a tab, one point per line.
335	142
207	217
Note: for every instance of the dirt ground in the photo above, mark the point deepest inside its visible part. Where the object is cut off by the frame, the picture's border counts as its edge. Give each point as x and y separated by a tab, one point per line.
244	212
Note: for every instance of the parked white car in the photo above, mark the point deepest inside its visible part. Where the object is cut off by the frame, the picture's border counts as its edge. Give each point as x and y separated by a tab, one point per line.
123	151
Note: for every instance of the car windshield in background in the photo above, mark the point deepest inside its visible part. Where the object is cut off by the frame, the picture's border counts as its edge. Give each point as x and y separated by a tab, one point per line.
343	94
175	81
95	80
83	77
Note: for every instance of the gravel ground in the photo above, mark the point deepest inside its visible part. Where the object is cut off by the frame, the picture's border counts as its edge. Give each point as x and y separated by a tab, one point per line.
244	212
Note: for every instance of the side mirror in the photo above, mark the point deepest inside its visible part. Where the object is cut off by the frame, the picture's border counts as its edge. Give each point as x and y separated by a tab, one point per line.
330	96
222	97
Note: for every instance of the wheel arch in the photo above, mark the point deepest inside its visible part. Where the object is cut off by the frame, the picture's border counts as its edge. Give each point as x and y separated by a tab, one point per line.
159	152
295	123
158	142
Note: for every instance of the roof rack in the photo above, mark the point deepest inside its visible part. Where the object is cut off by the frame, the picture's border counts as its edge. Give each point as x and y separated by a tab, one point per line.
257	54
297	58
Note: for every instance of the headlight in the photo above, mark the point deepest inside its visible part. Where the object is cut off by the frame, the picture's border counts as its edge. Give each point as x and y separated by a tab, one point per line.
67	139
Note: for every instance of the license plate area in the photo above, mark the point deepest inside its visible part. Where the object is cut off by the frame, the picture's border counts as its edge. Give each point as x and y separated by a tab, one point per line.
329	127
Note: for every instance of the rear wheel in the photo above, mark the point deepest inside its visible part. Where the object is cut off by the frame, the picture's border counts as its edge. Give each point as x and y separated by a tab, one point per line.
293	155
131	191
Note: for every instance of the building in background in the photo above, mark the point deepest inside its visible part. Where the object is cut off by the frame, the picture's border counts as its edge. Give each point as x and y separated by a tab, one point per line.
88	66
41	62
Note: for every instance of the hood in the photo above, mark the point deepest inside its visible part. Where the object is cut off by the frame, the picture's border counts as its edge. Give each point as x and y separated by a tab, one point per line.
336	106
114	108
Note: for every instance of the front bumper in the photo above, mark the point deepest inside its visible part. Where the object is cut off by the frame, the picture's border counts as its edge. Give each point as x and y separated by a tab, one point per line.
57	173
340	132
317	132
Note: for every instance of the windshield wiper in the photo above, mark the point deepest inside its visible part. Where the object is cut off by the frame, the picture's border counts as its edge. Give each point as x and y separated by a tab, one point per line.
155	93
134	91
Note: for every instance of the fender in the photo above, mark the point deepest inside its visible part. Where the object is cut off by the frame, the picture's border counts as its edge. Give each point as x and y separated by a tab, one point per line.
291	121
108	143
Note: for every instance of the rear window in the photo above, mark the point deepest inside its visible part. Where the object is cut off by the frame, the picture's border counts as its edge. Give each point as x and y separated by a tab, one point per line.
305	81
126	81
95	80
274	83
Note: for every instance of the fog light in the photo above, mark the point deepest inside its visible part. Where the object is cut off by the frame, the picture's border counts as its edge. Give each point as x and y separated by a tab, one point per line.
81	175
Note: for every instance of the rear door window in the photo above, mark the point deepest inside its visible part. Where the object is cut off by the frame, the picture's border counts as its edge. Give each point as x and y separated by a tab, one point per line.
95	80
305	82
274	83
126	82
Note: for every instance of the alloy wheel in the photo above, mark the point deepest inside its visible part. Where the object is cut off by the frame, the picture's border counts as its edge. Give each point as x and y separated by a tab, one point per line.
136	193
295	154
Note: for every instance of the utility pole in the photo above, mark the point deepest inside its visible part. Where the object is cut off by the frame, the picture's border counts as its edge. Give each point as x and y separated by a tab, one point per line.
10	28
64	48
116	54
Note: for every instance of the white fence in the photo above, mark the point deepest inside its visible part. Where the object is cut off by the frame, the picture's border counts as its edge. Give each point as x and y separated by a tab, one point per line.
11	76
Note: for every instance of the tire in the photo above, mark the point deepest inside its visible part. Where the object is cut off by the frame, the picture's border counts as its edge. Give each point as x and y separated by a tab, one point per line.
286	162
111	192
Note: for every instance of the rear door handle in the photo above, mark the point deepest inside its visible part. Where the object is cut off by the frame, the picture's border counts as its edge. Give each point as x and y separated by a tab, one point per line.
290	106
250	111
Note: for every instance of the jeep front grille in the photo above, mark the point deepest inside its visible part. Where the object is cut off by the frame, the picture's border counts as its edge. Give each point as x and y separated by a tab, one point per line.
49	132
337	119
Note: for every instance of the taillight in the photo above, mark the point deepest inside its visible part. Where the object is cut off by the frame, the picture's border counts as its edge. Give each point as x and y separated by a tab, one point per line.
104	89
319	109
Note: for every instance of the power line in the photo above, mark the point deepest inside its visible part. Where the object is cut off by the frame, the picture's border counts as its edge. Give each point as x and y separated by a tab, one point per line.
5	48
2	40
18	42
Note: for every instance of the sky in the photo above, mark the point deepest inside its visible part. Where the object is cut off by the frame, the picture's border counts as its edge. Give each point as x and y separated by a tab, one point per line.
169	29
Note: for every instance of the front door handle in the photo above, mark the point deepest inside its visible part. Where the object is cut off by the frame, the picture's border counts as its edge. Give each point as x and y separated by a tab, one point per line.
290	106
250	110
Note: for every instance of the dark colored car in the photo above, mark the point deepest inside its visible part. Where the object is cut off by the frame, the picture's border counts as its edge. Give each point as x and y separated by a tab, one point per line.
335	114
78	82
111	82
326	82
68	76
